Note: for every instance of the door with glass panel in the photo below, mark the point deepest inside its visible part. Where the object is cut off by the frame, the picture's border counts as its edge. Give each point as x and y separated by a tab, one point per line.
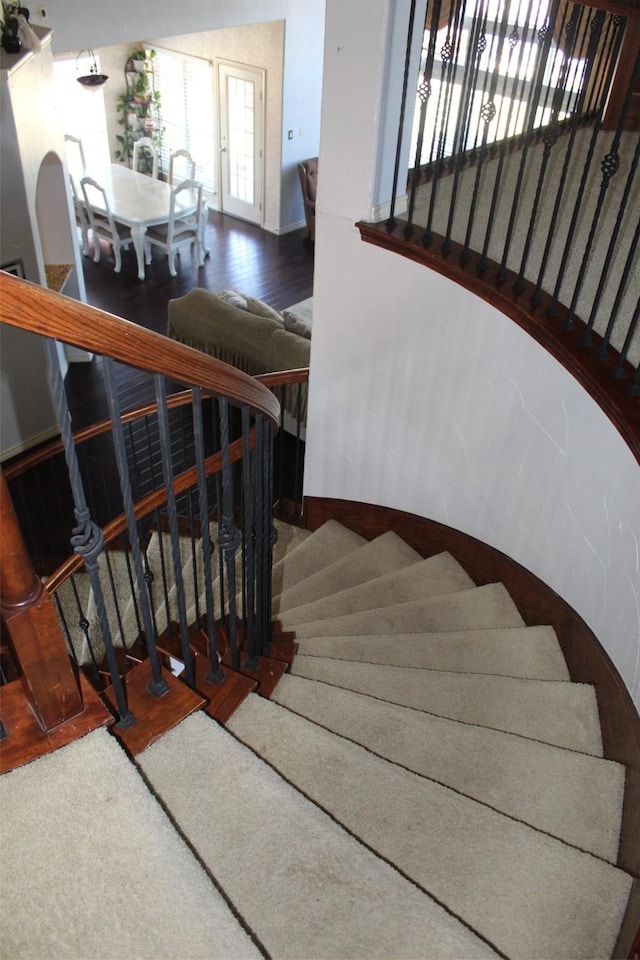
241	92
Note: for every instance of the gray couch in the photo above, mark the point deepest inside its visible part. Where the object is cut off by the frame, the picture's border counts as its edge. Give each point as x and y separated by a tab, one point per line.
246	333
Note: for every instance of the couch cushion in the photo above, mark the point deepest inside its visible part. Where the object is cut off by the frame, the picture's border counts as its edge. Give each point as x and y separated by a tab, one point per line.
299	318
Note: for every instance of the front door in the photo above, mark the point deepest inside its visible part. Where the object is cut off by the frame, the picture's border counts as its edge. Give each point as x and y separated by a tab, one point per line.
241	140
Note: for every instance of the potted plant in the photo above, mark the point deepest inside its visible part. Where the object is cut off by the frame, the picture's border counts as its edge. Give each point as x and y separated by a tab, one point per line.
139	108
10	26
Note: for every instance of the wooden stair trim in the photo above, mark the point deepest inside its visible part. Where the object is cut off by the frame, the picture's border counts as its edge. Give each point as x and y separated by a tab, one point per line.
26	740
154	715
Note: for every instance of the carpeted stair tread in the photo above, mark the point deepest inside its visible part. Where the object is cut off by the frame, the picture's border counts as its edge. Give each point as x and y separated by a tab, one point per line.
563	714
527	893
325	545
573	796
386	553
471	609
303	885
112	877
435	576
532	652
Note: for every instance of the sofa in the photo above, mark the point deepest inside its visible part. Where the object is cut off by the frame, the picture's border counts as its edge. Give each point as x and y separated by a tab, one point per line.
246	333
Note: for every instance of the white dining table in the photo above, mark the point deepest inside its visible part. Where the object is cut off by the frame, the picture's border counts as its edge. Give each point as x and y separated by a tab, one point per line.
139	202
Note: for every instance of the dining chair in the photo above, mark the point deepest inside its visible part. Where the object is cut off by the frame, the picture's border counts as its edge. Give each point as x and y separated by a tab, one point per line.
179	230
102	223
77	164
141	145
182	166
82	216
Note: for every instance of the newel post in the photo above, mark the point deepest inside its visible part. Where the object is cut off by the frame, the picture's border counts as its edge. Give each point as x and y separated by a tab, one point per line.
36	637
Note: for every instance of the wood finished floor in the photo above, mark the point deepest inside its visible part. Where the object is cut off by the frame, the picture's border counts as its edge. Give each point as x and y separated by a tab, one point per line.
276	269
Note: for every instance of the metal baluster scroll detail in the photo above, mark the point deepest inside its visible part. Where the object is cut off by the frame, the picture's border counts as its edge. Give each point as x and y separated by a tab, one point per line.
158	685
86	539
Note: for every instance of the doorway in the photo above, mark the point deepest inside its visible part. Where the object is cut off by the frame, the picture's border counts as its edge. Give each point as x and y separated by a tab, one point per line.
241	93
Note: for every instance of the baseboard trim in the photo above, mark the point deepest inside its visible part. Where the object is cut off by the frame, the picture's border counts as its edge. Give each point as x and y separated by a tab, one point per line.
24	445
587	660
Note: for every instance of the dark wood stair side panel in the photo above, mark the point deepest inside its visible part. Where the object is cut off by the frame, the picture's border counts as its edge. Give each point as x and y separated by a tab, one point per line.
587	660
26	740
154	715
268	673
224	698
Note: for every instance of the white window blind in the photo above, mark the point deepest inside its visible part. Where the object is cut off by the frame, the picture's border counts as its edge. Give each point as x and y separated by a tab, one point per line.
186	90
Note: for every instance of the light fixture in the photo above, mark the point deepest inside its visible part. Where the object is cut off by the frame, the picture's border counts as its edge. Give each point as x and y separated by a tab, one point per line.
93	78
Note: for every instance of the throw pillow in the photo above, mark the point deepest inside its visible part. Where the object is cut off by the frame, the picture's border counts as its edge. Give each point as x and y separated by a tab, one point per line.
261	309
234	298
299	318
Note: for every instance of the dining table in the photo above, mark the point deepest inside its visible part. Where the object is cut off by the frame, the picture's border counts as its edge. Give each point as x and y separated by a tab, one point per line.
139	201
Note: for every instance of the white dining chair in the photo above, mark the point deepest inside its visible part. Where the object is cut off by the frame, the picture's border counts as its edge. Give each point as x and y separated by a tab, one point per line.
75	154
101	221
82	216
179	230
141	145
182	166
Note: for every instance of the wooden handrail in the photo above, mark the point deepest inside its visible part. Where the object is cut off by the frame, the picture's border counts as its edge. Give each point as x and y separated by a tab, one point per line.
33	308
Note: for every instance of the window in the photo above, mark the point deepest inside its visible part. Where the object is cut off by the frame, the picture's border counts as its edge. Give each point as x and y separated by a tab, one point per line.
185	85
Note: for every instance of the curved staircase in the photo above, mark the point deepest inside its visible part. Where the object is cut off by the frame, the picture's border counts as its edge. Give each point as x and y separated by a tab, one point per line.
425	782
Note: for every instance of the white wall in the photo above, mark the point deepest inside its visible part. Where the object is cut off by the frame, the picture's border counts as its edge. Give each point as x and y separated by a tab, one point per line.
426	399
80	25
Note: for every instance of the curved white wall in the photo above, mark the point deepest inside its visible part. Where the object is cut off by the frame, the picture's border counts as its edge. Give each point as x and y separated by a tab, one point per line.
426	399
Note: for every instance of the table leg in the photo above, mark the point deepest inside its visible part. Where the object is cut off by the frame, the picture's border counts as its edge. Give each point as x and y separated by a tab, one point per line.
137	235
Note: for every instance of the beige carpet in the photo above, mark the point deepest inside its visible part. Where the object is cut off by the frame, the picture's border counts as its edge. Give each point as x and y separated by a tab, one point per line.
295	876
93	868
459	851
528	652
571	795
433	787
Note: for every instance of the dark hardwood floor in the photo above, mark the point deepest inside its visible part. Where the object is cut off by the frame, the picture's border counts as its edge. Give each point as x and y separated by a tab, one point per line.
276	269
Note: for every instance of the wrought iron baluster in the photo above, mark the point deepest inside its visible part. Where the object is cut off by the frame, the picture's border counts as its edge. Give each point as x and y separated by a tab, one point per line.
448	55
609	167
573	130
391	222
87	539
525	46
228	533
634	389
249	538
167	470
487	114
424	92
551	134
477	45
631	259
158	685
215	674
545	35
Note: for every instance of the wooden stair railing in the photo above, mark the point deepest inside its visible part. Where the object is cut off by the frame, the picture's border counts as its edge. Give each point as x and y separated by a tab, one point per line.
55	696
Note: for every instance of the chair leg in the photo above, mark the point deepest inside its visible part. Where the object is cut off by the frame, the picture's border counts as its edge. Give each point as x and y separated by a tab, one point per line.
147	253
172	263
117	257
96	247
